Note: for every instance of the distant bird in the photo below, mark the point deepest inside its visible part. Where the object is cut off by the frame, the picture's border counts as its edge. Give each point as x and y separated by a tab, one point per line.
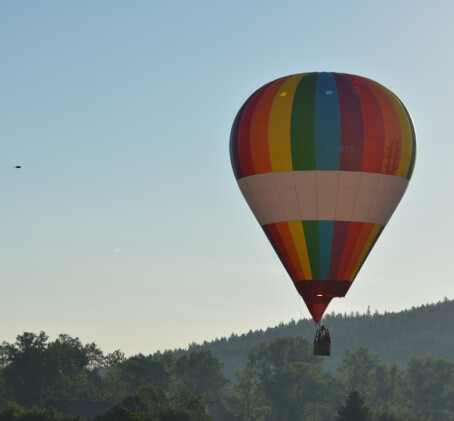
18	166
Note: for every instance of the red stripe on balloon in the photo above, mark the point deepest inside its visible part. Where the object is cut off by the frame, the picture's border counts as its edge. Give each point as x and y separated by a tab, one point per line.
353	233
374	130
234	148
339	239
352	130
244	133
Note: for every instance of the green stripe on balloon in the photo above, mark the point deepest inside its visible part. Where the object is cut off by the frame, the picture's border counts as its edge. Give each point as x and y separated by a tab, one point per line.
311	234
302	124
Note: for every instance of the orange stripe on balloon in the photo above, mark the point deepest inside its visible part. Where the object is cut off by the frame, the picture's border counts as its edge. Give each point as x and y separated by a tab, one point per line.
259	128
374	232
279	245
393	140
359	246
292	253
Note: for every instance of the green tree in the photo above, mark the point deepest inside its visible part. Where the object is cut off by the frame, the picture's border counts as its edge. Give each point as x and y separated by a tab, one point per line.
190	407
293	380
77	367
114	387
147	403
378	382
395	414
358	369
387	385
247	399
140	370
26	368
354	409
35	370
429	387
150	403
14	412
201	373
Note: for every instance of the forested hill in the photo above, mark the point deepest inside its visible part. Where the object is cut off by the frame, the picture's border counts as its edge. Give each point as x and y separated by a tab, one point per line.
424	330
282	381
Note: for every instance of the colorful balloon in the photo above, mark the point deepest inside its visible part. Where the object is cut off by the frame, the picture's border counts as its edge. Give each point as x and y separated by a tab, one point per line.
323	159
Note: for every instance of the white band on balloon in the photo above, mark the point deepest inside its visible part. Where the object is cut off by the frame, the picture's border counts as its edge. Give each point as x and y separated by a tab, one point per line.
323	195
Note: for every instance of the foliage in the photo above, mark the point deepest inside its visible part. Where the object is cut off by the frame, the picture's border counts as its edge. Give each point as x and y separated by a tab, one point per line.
354	409
428	387
34	369
391	336
247	399
201	373
279	379
293	381
394	414
366	373
14	412
150	403
140	370
26	368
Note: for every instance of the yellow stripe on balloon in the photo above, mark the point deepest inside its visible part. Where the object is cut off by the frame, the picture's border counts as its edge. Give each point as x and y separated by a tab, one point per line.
367	246
406	136
299	239
279	125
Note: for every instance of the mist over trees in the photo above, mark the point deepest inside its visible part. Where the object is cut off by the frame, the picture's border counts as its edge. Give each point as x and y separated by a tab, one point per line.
276	376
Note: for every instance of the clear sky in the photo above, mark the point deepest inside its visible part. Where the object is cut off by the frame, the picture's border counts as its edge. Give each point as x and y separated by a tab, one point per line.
125	225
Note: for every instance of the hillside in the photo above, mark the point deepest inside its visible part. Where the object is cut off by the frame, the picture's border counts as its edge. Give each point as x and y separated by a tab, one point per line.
283	376
424	330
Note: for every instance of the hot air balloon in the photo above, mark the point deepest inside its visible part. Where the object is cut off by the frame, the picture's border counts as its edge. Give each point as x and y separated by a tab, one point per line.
322	159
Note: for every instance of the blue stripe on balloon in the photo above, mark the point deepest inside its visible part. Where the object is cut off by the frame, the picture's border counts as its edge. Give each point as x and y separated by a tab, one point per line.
327	124
325	244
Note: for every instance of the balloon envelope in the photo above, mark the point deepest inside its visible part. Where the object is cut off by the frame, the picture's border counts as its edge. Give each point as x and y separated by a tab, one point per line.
322	159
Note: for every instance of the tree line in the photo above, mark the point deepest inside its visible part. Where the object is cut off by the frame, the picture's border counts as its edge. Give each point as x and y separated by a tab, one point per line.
280	381
423	330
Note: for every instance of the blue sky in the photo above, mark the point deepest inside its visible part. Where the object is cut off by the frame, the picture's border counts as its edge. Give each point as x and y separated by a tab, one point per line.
125	225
